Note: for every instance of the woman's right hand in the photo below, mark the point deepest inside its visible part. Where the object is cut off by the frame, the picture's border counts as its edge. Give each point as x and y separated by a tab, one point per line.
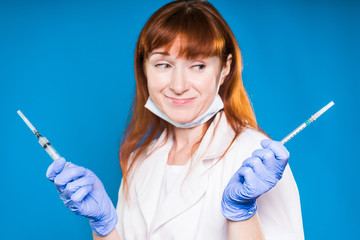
84	194
257	175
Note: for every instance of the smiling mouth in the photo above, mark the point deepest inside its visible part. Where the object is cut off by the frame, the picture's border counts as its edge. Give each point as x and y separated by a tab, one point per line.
180	101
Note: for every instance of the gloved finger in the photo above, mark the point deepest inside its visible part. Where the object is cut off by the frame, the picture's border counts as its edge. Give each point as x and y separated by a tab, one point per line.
267	157
279	150
55	168
81	193
261	171
246	173
248	189
75	185
67	175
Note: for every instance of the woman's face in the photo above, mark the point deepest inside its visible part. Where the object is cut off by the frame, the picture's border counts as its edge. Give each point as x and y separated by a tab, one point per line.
183	88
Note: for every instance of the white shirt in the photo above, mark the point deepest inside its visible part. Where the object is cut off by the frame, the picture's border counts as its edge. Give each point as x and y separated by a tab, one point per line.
172	173
191	209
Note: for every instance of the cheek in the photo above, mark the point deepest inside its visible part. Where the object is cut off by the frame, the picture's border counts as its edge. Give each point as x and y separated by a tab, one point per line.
156	82
206	86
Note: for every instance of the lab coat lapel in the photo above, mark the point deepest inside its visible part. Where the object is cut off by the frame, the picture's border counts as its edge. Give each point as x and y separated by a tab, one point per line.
188	192
183	195
150	177
219	139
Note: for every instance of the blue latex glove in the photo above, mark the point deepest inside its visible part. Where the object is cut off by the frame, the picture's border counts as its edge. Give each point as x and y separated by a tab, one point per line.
257	175
84	194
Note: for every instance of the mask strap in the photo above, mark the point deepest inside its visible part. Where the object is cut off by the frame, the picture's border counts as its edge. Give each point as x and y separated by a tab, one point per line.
218	86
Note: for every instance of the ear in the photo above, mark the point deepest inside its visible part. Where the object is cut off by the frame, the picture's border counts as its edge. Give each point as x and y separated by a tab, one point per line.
226	69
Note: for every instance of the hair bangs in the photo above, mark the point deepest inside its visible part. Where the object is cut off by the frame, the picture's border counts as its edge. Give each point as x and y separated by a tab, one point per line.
193	34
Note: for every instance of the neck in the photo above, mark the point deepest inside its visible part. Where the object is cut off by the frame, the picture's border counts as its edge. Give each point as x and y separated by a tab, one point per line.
186	137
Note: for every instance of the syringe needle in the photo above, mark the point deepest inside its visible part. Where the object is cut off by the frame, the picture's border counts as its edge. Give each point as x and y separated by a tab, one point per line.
307	122
28	123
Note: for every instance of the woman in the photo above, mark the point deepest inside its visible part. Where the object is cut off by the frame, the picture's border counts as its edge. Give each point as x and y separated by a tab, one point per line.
188	156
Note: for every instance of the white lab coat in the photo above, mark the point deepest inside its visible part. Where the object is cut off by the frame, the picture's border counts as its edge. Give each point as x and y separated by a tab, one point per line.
192	210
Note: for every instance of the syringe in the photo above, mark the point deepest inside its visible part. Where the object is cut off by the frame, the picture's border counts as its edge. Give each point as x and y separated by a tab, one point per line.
42	140
307	122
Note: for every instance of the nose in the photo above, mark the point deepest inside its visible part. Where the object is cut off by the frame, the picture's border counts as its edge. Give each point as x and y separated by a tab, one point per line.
179	83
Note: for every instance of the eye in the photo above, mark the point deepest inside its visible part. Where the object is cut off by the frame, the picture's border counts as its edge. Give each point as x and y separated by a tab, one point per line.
162	65
199	67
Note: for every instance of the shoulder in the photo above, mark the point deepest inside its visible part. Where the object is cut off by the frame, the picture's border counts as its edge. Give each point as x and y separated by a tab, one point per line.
252	134
250	138
243	146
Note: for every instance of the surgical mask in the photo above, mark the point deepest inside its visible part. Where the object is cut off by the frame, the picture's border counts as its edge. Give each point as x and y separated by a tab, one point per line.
214	108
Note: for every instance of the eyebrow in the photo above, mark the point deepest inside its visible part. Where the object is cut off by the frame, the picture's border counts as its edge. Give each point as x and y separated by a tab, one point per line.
161	53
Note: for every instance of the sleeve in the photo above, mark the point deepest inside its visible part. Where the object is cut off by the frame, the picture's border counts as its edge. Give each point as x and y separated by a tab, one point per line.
279	209
280	212
120	211
122	203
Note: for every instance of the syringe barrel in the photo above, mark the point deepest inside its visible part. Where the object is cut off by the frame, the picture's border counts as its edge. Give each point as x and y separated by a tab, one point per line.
48	148
293	133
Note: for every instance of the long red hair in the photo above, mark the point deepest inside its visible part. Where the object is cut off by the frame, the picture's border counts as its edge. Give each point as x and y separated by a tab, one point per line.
203	33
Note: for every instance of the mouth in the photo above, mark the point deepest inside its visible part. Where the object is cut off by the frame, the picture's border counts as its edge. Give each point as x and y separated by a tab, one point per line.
180	101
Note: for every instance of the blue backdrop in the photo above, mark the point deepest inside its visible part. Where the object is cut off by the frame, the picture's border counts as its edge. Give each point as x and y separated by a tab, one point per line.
68	65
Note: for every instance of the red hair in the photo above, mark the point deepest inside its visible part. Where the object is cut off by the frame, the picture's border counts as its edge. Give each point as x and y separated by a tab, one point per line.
203	33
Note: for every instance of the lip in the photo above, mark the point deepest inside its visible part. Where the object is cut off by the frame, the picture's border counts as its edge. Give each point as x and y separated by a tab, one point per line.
180	101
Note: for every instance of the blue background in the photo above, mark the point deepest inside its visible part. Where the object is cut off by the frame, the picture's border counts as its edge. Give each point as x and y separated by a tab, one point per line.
68	65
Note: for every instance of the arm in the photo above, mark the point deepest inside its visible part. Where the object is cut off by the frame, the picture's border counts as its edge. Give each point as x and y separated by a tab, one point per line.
280	210
245	230
113	235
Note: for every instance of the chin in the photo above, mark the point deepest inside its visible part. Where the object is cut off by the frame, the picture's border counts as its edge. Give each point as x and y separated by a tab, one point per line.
181	117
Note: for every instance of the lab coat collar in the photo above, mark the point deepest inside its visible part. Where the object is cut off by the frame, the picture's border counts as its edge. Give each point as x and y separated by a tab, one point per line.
185	193
217	138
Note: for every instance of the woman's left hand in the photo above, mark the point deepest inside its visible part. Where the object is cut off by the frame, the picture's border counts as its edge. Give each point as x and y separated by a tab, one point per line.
84	194
257	175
